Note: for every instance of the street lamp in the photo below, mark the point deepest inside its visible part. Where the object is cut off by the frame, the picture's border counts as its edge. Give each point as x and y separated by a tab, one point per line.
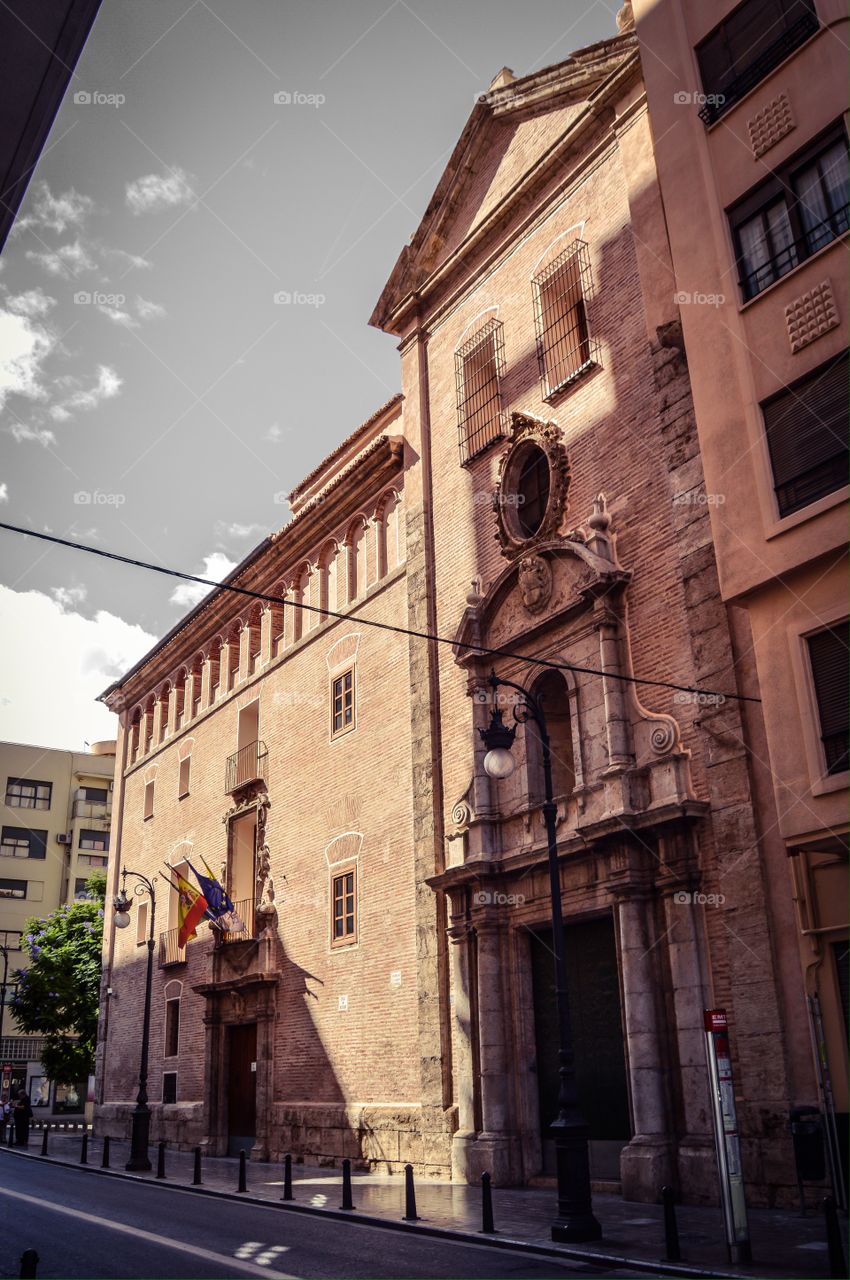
139	1161
575	1220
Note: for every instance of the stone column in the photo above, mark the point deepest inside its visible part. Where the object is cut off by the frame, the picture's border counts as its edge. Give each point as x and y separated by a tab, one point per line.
266	654
463	1058
616	720
646	1163
244	651
495	1147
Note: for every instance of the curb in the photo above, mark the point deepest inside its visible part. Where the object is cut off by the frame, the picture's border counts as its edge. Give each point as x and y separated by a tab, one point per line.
507	1243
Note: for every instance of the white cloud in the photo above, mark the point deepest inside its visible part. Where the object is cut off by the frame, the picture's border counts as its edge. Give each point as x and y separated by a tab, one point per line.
146	310
236	530
157	191
129	259
275	433
56	213
67	262
108	385
24	346
216	566
57	662
4	492
34	303
65	597
25	431
118	316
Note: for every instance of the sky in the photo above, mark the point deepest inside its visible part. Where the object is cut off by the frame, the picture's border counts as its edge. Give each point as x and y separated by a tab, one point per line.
184	299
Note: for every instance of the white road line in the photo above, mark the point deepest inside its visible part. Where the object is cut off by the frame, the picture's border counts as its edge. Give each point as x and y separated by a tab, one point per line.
223	1260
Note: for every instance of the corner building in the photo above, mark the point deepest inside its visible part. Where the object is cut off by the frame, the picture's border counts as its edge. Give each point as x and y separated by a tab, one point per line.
536	489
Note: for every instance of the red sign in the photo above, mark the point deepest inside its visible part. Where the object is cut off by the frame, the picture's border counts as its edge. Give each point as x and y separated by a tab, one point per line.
715	1019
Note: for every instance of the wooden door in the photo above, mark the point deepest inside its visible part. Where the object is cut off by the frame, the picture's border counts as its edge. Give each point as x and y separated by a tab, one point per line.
241	1088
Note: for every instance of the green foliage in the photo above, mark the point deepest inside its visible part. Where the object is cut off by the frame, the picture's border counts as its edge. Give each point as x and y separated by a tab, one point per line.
58	995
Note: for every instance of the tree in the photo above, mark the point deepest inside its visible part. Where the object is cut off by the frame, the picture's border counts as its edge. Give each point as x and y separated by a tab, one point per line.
58	995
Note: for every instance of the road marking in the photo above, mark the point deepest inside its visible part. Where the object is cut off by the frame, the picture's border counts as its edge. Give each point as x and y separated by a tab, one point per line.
222	1260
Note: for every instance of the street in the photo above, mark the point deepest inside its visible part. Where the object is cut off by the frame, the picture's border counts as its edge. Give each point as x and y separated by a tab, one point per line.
100	1228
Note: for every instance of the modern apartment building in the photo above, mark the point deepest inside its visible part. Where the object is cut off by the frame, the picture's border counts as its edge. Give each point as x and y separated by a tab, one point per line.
535	493
56	816
748	108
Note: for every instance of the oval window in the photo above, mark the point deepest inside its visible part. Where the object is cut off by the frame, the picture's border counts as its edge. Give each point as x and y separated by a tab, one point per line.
532	491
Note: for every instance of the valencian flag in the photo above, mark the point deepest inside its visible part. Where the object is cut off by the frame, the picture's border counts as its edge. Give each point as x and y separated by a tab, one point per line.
191	909
220	909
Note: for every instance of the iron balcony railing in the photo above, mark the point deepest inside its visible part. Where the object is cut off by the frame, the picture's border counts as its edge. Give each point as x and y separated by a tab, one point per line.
727	95
246	912
246	766
817	237
169	951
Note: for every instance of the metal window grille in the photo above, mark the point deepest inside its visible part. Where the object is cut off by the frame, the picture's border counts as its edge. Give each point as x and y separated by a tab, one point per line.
479	366
564	345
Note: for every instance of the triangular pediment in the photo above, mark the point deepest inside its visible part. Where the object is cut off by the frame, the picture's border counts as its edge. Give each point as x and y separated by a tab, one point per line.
511	131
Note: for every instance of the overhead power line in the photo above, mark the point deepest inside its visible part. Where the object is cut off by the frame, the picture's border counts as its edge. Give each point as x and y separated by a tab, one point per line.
267	598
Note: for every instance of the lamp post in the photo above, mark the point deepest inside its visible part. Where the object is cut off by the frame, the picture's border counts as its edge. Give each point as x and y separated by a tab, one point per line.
139	1161
4	985
575	1220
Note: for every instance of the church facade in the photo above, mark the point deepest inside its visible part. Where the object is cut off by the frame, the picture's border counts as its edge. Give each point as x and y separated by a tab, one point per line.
534	501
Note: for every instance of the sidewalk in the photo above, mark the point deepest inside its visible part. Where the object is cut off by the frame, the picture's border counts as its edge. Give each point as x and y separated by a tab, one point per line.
784	1243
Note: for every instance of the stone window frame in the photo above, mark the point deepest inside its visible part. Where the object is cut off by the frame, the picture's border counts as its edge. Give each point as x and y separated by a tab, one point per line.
336	873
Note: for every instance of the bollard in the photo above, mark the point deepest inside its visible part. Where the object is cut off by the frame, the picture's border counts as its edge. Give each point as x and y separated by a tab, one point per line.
487	1226
672	1252
104	1159
84	1149
837	1263
160	1160
10	1137
196	1176
287	1178
29	1264
347	1202
243	1180
44	1140
410	1214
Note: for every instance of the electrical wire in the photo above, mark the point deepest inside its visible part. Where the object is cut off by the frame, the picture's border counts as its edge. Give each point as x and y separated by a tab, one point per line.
267	598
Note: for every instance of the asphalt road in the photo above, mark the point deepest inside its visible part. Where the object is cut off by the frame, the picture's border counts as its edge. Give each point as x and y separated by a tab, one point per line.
101	1228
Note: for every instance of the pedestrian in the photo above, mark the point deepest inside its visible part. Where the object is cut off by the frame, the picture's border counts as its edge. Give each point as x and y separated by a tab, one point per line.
22	1114
5	1113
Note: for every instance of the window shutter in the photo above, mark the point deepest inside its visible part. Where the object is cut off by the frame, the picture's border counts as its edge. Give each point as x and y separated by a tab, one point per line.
828	651
807	437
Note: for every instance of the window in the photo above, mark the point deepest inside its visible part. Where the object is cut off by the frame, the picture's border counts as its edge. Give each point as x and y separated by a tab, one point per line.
344	909
148	812
183	777
94	840
26	793
532	491
142	922
342	703
169	1087
803	207
172	1027
828	654
94	795
81	888
92	860
10	938
806	429
20	842
747	45
479	365
13	888
564	346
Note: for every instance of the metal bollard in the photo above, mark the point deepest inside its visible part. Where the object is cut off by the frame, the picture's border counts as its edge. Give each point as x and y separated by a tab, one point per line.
104	1159
10	1138
287	1178
44	1139
196	1175
347	1201
672	1251
410	1214
487	1225
243	1180
160	1160
837	1263
29	1264
84	1149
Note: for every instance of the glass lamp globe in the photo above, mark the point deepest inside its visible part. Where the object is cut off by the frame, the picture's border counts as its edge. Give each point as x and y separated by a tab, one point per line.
499	762
122	919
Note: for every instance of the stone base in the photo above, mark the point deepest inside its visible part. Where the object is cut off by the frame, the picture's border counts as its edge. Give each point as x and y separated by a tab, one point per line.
493	1153
646	1165
697	1161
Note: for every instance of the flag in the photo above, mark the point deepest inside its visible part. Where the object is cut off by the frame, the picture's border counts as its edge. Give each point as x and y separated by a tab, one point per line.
220	909
191	909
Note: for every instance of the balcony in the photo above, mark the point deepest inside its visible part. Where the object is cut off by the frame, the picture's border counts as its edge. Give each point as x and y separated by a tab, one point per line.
169	952
758	69
248	765
246	913
98	810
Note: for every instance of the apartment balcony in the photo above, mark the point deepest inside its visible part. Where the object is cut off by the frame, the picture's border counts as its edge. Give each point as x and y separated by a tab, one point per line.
248	765
169	951
99	811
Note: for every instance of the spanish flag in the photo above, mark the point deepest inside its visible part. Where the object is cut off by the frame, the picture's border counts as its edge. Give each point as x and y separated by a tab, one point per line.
191	909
